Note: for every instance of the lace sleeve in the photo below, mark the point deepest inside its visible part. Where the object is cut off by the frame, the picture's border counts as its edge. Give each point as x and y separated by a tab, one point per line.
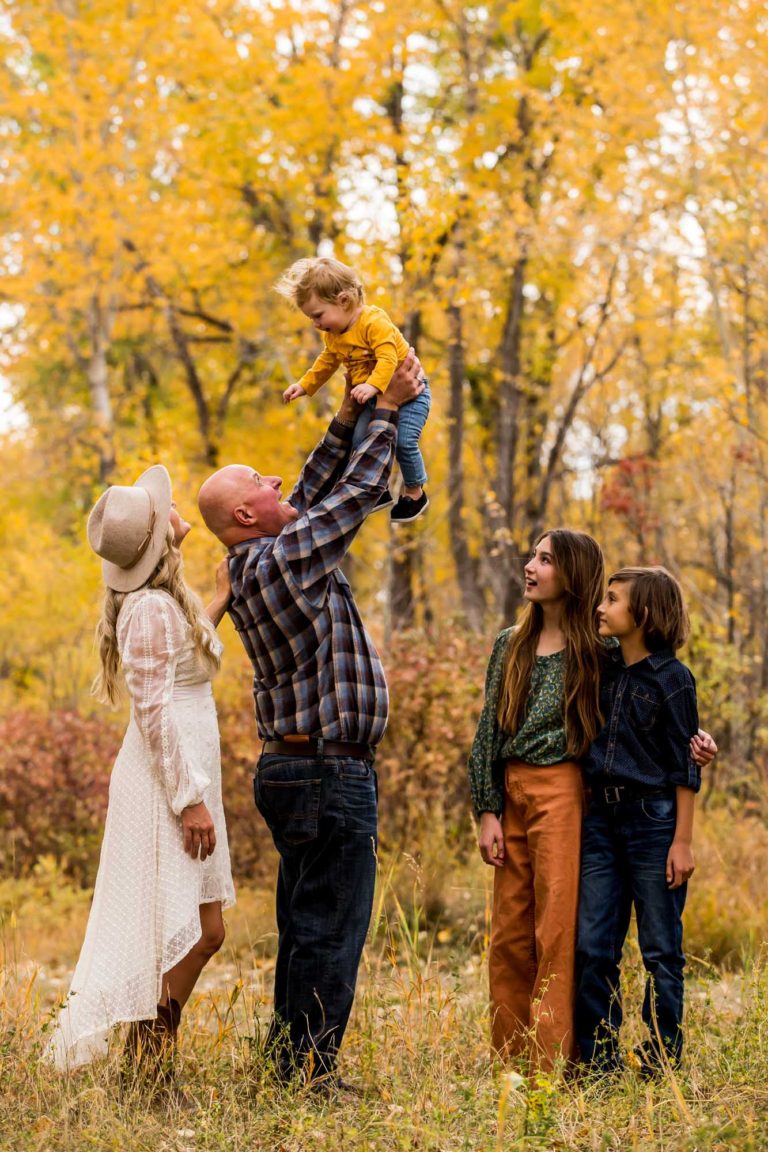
154	639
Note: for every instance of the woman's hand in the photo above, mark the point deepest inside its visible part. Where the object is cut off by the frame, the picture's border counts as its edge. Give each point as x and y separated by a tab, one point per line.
490	840
199	832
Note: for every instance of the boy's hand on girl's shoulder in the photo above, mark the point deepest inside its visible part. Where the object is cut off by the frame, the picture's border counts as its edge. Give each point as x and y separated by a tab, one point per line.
680	863
293	392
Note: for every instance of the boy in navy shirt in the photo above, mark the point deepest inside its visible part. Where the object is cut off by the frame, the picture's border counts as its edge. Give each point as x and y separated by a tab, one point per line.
638	830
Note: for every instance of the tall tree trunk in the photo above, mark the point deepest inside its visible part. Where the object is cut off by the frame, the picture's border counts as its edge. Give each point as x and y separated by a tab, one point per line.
96	371
466	566
507	585
402	603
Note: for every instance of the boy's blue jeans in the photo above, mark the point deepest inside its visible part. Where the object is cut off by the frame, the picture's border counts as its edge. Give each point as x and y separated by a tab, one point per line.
322	814
413	417
624	856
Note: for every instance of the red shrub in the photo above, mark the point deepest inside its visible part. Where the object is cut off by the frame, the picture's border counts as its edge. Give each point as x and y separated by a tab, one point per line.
54	780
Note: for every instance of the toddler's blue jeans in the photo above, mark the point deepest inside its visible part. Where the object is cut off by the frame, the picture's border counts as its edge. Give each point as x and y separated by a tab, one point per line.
413	417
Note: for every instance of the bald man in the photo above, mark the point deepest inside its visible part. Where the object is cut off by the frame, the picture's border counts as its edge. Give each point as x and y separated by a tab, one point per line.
321	709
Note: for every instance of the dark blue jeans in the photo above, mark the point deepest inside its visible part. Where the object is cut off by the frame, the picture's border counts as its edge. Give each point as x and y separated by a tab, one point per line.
323	820
623	862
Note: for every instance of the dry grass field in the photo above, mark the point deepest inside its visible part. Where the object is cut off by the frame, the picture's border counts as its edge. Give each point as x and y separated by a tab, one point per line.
417	1043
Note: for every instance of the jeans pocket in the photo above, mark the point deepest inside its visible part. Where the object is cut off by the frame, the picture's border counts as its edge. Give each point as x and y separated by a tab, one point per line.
659	809
291	808
358	794
355	769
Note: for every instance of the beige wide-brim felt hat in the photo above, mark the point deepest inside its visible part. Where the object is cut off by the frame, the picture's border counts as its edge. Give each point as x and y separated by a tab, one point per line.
128	526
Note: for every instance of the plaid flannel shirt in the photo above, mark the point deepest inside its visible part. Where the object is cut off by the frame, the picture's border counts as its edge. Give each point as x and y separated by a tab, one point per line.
316	671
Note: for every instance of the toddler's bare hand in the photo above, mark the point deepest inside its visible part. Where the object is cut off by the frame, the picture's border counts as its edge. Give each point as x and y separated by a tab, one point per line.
293	392
362	393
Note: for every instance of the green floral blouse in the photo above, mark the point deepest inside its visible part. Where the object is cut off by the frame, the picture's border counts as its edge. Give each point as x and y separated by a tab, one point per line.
539	740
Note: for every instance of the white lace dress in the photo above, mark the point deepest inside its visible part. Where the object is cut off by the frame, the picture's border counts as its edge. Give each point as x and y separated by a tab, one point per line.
145	912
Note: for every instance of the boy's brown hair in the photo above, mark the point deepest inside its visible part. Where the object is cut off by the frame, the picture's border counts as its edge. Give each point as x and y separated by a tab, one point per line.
657	605
320	276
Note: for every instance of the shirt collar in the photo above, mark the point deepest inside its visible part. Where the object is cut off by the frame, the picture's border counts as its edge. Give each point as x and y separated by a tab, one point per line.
659	659
655	661
246	545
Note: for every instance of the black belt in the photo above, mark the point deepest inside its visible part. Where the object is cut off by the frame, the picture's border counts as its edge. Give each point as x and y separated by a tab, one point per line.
309	748
606	793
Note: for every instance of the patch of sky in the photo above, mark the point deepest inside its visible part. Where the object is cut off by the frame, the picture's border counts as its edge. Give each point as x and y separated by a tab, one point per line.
13	418
585	447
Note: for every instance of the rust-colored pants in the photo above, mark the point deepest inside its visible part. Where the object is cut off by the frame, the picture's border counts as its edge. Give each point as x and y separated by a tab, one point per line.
535	909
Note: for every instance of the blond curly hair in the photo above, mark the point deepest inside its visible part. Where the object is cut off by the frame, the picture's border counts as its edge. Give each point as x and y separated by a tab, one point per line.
321	276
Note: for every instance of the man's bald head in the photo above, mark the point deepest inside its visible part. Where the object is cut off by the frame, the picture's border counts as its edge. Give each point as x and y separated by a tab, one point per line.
238	503
219	496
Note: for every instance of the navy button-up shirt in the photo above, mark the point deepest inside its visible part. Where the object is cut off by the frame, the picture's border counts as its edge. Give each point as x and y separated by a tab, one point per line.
650	716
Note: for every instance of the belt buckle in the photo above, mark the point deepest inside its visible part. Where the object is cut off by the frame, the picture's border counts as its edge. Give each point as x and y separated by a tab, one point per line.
613	793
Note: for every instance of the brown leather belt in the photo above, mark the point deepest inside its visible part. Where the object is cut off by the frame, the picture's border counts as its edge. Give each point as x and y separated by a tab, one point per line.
307	747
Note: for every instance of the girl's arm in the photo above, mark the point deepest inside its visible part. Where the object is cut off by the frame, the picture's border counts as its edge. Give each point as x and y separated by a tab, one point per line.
680	861
487	796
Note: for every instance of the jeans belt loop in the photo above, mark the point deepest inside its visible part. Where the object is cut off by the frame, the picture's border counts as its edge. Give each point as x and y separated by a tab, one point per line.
320	745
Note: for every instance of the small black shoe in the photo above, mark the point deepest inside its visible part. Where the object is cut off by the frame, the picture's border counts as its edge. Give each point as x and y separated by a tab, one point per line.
384	501
408	509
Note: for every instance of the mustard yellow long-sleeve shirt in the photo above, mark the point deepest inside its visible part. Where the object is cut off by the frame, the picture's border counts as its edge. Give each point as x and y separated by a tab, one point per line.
371	349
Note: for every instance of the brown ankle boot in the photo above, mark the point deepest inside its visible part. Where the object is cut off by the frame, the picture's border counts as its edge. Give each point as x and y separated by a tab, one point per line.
165	1033
150	1048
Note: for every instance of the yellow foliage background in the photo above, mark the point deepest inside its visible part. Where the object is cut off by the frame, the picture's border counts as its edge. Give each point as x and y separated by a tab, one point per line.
563	206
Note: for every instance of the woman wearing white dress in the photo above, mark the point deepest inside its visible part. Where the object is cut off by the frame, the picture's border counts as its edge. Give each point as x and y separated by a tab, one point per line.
164	874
